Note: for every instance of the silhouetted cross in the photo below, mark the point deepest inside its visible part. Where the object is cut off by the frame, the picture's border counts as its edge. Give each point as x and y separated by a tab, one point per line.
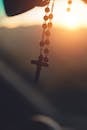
39	65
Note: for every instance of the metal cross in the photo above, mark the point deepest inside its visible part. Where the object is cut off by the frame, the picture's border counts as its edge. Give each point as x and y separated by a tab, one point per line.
39	65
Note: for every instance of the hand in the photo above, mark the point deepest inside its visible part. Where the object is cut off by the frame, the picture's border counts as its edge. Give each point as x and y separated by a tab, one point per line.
85	1
15	7
41	2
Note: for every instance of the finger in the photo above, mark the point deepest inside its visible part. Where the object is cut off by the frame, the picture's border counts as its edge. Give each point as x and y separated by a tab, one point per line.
43	2
85	1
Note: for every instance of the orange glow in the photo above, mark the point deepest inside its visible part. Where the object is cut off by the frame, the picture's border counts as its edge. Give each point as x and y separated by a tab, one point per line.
76	18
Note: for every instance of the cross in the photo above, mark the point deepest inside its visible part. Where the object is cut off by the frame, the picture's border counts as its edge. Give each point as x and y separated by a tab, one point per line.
39	65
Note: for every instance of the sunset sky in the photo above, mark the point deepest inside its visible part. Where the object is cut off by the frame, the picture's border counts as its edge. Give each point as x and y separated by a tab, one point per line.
74	19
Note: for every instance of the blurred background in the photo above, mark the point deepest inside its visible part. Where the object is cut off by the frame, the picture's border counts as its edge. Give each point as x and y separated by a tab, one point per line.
66	78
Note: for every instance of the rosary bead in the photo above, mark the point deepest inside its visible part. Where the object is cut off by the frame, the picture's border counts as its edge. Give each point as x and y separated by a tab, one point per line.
47	42
47	10
50	16
41	43
44	26
69	2
68	9
41	57
46	50
47	33
49	25
46	59
46	17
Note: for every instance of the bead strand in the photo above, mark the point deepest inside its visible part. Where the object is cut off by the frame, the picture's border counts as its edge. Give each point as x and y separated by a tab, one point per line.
69	5
47	25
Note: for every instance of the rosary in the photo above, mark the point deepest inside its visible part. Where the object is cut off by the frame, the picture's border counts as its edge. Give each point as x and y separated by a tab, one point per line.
43	59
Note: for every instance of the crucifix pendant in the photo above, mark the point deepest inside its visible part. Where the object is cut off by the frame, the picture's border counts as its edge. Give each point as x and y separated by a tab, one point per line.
39	63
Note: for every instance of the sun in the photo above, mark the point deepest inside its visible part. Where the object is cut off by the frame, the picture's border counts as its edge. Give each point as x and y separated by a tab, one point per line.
76	18
70	20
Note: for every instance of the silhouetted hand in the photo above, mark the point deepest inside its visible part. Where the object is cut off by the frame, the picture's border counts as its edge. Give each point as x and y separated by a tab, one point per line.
85	1
41	2
15	7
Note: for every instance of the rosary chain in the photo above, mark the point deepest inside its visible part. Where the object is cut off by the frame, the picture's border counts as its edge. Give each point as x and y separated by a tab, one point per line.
69	5
47	25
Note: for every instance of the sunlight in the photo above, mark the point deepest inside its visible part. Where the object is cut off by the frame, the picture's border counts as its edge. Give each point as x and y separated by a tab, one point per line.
70	21
73	19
